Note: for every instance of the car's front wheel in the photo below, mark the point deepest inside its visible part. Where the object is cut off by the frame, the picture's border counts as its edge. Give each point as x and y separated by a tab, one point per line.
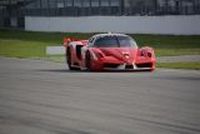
69	60
88	61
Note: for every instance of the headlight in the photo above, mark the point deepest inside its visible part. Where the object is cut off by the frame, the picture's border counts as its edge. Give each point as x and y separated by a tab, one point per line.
149	54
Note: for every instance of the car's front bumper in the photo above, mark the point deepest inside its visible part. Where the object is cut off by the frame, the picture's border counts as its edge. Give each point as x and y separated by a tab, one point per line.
123	66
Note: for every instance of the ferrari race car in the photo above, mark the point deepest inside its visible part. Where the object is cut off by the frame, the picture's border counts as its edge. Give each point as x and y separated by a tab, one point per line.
108	51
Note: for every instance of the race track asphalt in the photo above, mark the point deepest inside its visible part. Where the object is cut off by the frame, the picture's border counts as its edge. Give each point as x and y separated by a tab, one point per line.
41	97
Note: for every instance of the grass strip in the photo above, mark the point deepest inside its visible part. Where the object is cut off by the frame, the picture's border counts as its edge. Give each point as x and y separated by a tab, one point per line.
25	44
180	65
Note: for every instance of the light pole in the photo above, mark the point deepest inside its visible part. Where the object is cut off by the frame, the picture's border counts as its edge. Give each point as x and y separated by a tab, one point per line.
166	6
155	6
121	7
99	7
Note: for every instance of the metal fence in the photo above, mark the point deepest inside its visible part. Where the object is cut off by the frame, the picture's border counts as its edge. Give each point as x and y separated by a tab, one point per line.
21	8
114	11
74	11
39	8
170	10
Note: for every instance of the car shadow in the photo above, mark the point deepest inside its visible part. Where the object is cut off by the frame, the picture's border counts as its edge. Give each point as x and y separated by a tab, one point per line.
86	71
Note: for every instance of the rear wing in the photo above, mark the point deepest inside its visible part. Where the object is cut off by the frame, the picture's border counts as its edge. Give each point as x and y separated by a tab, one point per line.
67	40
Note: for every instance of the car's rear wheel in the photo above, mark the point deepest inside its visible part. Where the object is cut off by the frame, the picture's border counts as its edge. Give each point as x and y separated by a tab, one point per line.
88	61
69	60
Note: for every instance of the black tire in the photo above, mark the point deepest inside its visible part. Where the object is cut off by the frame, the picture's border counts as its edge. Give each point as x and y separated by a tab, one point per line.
68	59
88	61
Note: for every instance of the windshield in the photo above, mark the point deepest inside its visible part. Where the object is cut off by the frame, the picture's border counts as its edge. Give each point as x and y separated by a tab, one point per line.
115	41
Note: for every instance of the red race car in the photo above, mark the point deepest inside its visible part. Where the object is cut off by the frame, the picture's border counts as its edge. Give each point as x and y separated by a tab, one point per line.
108	51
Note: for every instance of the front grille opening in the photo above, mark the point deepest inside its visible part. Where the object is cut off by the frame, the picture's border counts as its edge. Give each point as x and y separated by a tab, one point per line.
144	65
110	65
129	66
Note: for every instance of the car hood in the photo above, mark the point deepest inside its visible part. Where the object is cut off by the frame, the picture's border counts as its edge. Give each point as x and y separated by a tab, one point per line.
127	55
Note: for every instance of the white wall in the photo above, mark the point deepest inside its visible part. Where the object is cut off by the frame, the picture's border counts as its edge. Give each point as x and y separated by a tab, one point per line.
177	25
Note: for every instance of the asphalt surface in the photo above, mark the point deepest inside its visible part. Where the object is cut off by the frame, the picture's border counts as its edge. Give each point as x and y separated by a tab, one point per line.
40	97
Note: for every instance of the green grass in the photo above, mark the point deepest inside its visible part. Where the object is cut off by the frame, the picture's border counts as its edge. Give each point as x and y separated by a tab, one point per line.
51	38
168	41
23	44
169	45
180	65
176	51
18	43
22	49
